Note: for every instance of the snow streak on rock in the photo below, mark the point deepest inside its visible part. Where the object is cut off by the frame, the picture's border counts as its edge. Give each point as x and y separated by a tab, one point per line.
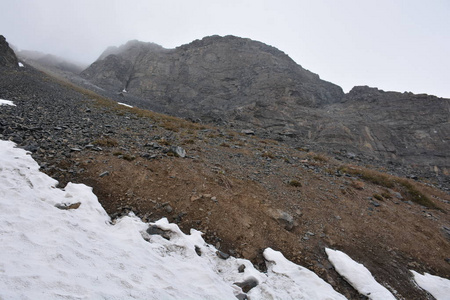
6	102
435	285
358	276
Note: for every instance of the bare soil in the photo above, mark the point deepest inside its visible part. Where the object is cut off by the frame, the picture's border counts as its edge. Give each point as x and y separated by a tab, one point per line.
235	196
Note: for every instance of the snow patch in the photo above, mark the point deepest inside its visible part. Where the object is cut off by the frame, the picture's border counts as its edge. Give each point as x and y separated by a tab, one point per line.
286	280
6	102
437	286
21	64
358	276
52	253
124	104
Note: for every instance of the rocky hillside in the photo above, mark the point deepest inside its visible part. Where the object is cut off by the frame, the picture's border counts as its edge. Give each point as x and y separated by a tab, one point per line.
249	85
244	192
7	56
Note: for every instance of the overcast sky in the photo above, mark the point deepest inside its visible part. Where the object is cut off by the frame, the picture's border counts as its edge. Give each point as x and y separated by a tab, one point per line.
399	45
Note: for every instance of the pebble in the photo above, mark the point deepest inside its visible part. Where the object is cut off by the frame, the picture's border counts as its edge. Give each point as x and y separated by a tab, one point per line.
222	255
103	174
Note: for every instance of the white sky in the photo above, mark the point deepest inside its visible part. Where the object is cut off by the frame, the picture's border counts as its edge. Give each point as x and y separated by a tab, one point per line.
400	45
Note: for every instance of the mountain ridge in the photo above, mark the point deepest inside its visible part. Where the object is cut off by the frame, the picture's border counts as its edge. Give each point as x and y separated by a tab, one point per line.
247	84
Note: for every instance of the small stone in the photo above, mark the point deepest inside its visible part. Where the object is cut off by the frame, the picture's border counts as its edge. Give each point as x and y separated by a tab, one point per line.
248	132
247	285
103	174
242	297
241	269
398	195
177	151
351	155
65	206
374	203
155	230
195	198
75	149
198	251
168	209
222	255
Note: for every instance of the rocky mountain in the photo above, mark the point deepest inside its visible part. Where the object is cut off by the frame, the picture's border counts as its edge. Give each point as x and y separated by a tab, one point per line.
247	84
243	191
215	74
50	62
7	56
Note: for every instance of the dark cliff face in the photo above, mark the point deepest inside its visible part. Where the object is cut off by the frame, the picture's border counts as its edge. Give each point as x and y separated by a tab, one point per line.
254	85
7	56
218	74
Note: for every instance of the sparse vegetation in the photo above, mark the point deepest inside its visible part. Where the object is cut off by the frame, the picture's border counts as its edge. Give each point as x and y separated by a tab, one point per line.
268	155
268	142
390	181
125	156
295	183
369	175
128	157
358	185
386	195
163	142
318	157
224	145
188	141
416	196
106	142
378	197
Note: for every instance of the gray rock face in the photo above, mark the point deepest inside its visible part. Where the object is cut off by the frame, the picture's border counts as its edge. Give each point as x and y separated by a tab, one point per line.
398	127
212	76
7	56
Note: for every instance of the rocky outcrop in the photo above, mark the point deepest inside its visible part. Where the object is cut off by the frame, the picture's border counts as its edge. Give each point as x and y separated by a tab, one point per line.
212	76
403	128
7	56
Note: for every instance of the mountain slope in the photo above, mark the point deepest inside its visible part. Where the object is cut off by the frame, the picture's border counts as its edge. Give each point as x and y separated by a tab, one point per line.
245	193
246	84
